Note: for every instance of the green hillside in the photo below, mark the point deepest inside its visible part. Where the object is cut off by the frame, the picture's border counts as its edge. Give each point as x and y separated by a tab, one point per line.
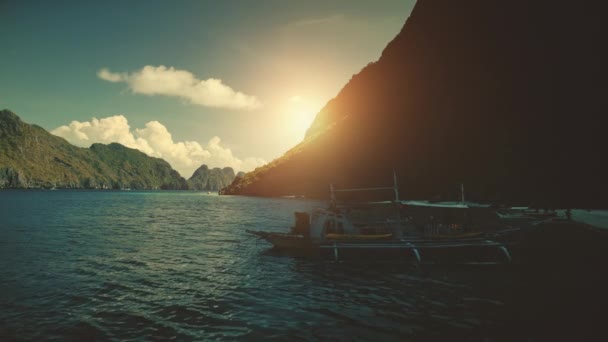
31	157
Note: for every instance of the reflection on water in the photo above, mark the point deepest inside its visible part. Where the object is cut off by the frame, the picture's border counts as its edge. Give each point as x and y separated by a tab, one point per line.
76	264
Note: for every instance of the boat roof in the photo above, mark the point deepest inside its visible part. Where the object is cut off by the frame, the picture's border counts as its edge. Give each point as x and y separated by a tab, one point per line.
452	205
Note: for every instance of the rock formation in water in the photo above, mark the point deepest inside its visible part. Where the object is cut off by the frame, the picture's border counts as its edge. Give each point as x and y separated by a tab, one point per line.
211	179
31	157
504	97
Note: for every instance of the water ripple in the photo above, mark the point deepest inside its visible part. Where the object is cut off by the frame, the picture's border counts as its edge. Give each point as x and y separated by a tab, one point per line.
178	265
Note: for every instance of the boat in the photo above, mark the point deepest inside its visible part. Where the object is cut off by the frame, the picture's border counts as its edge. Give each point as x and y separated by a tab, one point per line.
417	231
520	215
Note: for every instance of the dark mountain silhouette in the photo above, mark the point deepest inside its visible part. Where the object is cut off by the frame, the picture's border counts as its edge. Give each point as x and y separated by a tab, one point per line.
31	157
505	97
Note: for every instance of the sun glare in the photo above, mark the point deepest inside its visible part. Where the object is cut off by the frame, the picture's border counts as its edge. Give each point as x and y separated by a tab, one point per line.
299	115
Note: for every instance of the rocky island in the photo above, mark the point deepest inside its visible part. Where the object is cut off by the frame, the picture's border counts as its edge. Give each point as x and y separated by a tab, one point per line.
213	179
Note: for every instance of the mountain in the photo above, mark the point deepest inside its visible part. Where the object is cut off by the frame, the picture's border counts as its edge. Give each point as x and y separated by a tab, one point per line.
504	97
30	157
211	179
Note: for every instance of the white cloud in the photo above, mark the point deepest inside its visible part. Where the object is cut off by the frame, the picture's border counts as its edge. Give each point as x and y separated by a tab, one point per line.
105	74
160	80
156	141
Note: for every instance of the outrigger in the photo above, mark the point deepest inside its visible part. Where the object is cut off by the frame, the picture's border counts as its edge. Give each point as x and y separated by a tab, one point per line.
417	231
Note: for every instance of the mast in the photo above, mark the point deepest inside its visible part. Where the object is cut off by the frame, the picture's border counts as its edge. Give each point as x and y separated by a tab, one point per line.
466	212
395	186
397	203
332	197
462	192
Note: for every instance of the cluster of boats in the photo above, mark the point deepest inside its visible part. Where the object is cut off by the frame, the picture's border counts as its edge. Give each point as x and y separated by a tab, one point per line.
416	231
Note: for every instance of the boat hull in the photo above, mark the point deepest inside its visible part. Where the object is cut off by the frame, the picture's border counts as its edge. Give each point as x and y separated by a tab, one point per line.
285	241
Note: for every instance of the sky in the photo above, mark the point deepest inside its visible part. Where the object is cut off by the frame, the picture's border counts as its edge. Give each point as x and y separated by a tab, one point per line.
224	83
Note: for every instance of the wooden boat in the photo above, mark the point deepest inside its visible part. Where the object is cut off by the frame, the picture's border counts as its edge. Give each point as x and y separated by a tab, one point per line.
333	232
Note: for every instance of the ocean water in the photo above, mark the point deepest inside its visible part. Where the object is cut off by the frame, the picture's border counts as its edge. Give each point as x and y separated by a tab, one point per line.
106	265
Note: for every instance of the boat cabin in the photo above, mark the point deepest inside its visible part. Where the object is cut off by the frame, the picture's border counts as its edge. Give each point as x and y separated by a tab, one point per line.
322	223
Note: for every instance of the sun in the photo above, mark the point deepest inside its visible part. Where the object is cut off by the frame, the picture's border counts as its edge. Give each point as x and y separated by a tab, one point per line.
300	114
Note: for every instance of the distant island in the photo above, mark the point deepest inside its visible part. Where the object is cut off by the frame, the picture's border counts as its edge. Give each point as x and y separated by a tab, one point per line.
32	158
214	179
